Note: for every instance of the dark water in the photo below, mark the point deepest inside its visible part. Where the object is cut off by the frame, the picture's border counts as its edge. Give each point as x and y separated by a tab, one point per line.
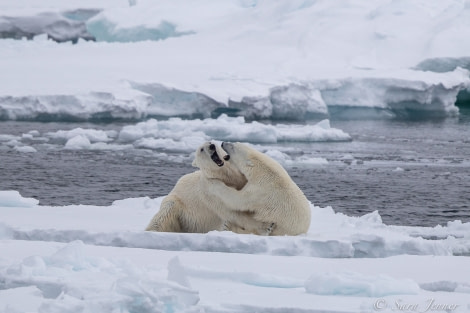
413	172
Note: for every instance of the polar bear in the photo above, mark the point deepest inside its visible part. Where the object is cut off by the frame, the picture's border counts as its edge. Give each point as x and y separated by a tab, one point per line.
189	207
270	197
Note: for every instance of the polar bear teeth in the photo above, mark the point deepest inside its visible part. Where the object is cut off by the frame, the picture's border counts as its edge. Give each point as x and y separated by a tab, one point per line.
216	159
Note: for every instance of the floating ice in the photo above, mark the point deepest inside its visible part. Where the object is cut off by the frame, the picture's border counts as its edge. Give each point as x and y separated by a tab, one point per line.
78	142
181	137
287	160
228	129
25	149
92	135
14	199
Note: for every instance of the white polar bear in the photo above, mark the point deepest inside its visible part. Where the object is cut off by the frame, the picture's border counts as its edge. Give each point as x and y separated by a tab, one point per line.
270	197
189	207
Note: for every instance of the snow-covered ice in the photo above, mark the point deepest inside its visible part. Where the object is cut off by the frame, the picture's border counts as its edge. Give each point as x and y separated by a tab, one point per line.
83	258
258	59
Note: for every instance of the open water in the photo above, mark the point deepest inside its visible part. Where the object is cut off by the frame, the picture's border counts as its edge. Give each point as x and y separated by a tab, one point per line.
413	172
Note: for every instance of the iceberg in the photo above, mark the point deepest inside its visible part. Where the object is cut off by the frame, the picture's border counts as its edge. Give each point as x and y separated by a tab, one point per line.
259	60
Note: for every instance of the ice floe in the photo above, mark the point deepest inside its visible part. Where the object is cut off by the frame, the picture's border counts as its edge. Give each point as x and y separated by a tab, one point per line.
88	258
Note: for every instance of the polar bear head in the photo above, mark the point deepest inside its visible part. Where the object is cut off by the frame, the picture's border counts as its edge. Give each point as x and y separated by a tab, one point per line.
251	162
210	159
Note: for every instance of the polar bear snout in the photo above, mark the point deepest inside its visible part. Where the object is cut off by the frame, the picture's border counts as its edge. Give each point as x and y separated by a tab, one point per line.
216	159
229	148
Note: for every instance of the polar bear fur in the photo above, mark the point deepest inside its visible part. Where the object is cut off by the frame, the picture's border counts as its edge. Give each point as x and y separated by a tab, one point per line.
189	207
270	197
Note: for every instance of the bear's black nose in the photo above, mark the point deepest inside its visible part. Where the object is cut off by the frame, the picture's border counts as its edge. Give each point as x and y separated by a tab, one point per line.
212	146
226	157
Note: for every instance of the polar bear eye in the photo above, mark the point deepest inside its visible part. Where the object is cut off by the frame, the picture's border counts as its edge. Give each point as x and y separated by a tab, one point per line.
202	149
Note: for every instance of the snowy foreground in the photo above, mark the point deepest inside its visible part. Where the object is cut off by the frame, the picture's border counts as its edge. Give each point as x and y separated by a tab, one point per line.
258	59
98	259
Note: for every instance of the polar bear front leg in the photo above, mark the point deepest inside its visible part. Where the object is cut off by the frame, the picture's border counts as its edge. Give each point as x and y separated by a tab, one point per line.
233	199
168	218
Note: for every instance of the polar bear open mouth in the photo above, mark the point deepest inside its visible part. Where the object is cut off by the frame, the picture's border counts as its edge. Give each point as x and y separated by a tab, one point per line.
216	159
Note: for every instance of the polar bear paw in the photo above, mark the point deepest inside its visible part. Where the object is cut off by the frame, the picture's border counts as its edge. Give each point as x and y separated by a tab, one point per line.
230	226
269	229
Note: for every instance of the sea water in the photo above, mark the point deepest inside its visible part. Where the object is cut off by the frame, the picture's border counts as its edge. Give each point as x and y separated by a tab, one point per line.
412	172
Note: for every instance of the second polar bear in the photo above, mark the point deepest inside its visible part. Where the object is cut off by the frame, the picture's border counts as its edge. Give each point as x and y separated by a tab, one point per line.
188	207
270	197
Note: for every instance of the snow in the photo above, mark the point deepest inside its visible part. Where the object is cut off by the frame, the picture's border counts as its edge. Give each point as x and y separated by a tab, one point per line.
257	59
85	258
